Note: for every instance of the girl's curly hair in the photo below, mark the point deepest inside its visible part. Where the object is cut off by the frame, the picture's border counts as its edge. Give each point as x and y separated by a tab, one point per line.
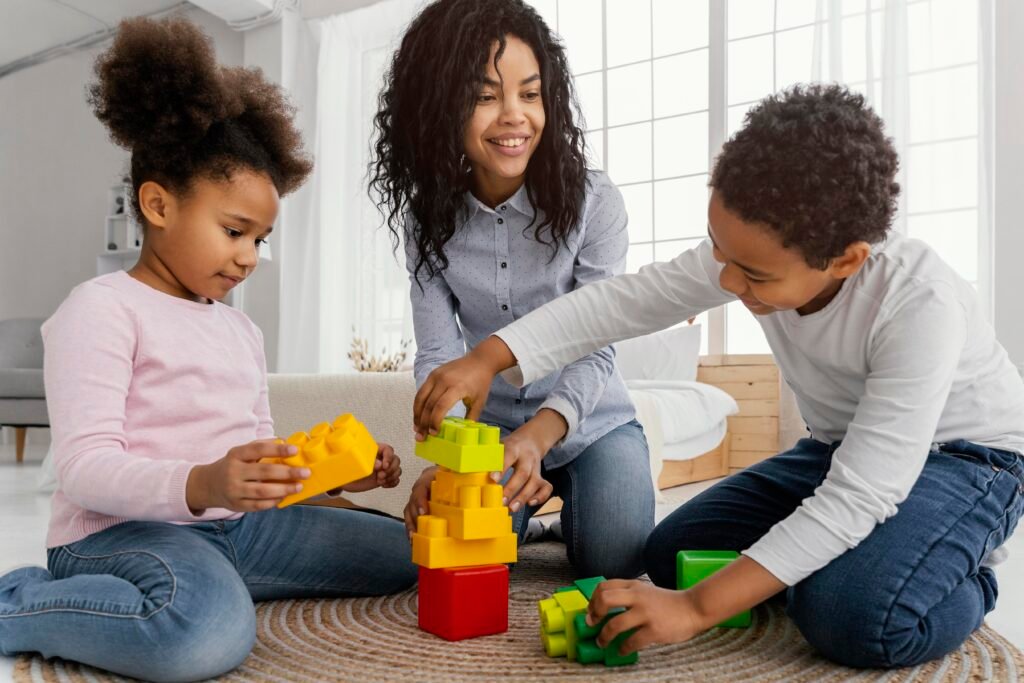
814	164
162	95
429	94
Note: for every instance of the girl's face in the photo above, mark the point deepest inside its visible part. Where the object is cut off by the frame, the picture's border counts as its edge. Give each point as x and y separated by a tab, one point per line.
505	127
768	277
204	244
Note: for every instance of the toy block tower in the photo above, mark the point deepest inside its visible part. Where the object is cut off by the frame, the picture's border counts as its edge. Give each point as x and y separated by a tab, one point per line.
336	454
564	631
693	566
466	540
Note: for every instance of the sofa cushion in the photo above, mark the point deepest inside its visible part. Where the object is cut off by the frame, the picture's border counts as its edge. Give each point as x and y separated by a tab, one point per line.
21	383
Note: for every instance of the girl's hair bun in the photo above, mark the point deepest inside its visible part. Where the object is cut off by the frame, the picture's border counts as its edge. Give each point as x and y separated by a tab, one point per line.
158	85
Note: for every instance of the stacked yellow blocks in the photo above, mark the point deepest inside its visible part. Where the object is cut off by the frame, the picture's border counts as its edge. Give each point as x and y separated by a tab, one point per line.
336	454
468	525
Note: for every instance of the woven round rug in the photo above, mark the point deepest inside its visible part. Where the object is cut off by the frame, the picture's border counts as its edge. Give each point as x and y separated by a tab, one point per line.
376	639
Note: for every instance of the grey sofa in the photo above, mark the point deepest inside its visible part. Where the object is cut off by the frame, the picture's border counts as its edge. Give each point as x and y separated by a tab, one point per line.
22	396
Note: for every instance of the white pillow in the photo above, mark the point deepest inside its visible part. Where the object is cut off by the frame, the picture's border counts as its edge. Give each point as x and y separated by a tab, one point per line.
666	355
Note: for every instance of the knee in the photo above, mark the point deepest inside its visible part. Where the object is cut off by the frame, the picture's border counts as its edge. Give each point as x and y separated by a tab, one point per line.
871	629
202	639
660	558
614	551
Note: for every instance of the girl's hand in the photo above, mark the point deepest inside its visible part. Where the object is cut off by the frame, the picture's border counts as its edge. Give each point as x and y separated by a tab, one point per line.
387	470
524	452
418	498
467	379
240	482
659	615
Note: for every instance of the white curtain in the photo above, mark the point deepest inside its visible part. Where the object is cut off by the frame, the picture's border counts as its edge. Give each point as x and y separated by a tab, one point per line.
926	67
339	277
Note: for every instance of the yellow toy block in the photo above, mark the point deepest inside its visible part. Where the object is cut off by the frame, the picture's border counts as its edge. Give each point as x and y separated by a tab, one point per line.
464	446
335	454
557	619
471	503
433	548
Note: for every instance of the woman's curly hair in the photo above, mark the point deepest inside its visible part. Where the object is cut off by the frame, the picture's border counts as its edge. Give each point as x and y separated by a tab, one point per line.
162	95
429	94
814	164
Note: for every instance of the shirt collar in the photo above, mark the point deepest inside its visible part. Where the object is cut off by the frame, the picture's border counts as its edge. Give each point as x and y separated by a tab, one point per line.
520	202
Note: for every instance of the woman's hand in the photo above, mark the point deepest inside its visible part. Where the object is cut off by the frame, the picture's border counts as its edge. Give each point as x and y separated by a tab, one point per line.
525	449
240	482
387	471
467	379
659	615
418	498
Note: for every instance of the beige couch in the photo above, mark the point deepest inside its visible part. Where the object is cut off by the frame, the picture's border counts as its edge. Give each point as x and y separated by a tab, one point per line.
381	401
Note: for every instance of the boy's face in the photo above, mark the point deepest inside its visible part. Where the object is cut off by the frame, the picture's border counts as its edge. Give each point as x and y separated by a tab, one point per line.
209	239
506	125
768	277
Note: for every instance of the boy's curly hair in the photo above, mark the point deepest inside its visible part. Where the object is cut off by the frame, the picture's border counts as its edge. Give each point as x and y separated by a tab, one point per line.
814	164
430	91
162	95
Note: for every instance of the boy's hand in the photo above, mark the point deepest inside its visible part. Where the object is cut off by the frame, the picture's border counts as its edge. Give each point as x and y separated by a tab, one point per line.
387	470
240	482
467	379
418	498
659	615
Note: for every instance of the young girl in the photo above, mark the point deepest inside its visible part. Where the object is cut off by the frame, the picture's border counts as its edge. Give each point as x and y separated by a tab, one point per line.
880	527
158	398
480	165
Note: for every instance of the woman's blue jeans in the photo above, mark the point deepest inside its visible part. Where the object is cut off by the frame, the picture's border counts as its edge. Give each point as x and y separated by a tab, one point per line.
607	504
170	602
912	591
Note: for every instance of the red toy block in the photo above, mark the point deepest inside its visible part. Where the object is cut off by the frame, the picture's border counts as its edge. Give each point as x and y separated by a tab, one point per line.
466	602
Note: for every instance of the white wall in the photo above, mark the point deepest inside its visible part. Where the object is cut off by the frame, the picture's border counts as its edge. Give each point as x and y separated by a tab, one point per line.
56	165
1008	242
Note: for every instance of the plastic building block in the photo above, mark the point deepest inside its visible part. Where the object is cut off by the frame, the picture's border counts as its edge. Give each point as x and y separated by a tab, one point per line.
464	446
433	548
471	503
564	631
456	604
693	566
335	454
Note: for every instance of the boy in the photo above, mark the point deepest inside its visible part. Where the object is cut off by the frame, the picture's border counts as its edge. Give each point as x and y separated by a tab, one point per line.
880	527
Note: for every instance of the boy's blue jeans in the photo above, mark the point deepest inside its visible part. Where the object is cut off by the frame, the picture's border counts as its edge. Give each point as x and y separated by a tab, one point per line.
911	591
170	602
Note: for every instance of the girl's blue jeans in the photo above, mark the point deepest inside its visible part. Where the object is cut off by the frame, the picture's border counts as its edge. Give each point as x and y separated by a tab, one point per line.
912	591
168	602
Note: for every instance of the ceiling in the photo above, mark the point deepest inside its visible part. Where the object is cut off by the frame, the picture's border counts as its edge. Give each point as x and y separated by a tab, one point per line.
31	26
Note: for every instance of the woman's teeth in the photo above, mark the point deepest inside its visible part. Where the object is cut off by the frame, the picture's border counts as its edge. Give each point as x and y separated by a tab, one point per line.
512	142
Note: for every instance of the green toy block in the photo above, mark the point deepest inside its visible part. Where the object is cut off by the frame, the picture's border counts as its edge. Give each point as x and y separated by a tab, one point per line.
464	446
693	566
586	644
588	586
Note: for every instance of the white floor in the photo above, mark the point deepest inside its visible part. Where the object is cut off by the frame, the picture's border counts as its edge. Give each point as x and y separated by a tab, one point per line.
25	513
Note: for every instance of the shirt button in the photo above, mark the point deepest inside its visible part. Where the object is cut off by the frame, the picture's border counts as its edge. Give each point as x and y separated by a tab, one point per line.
503	208
518	401
504	264
504	307
500	221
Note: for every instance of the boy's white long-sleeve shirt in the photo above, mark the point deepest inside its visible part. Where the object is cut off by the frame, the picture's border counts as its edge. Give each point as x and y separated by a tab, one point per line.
901	358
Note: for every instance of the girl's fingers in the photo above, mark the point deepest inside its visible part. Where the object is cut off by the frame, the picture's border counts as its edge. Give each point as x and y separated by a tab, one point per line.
268	472
529	492
266	491
441	408
515	485
422	395
266	448
542	494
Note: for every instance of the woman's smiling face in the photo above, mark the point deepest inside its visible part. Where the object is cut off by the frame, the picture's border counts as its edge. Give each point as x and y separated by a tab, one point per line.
506	125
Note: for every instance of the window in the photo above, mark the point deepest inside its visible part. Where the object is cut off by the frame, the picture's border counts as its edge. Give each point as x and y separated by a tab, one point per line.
663	83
